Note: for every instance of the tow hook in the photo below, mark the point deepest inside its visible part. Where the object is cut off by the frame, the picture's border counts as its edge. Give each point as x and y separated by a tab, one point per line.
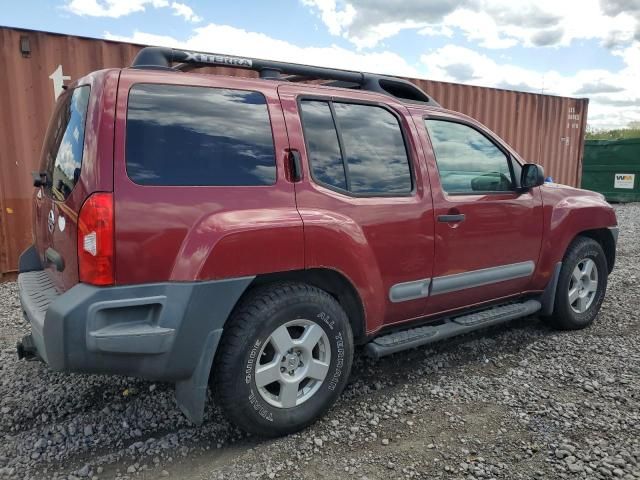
26	349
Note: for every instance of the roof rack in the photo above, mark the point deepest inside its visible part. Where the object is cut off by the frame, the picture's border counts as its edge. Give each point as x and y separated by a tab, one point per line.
164	58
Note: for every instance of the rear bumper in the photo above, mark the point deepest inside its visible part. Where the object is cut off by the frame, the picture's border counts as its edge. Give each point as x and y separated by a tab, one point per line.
155	331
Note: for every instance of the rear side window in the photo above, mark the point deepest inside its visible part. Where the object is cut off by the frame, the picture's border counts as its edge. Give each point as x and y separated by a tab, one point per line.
357	148
324	148
65	143
468	162
181	135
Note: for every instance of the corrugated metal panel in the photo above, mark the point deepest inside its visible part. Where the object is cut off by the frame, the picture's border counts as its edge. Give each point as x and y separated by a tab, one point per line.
27	97
544	129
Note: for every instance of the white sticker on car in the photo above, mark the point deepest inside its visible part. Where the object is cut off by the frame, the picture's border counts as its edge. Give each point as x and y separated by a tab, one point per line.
62	223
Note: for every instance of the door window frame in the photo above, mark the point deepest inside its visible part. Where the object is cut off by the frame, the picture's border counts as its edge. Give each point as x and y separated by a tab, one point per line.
510	158
333	99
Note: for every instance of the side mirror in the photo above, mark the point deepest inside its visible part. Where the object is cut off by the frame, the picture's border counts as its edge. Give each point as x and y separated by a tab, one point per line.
39	179
532	176
491	182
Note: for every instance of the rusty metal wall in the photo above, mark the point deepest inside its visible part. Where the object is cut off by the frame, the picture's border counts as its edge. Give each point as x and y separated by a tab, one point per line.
26	102
544	129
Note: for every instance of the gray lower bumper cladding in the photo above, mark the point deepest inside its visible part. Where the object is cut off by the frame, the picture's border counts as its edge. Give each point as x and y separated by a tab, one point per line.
162	331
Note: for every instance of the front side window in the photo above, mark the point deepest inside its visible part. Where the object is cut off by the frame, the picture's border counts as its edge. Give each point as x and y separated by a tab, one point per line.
468	162
64	145
357	148
182	135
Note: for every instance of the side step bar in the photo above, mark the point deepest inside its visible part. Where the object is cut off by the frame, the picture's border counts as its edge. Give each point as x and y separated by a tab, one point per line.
416	337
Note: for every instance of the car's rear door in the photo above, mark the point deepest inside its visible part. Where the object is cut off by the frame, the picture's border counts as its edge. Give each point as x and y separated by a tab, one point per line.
364	198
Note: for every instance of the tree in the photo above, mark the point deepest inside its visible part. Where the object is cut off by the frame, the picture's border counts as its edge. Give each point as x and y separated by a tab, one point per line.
632	131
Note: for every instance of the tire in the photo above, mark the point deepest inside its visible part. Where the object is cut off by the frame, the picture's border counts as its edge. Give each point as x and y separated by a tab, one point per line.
271	334
584	262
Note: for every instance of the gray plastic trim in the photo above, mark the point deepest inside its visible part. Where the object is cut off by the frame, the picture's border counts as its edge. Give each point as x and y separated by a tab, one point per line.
137	337
479	278
191	394
416	337
401	292
159	331
29	260
548	297
109	329
615	231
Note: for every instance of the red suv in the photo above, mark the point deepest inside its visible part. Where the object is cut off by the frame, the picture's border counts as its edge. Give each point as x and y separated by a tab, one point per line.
246	233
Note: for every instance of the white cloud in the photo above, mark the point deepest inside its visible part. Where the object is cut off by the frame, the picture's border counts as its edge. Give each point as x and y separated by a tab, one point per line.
185	11
614	96
111	8
240	42
121	8
490	23
334	19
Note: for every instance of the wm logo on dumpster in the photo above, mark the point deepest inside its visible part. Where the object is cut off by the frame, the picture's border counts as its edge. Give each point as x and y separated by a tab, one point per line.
624	180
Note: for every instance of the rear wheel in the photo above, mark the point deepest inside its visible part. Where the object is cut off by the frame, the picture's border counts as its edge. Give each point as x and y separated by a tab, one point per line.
284	358
581	286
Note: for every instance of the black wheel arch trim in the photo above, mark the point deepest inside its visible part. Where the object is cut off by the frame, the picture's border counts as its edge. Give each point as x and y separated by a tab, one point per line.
548	297
29	260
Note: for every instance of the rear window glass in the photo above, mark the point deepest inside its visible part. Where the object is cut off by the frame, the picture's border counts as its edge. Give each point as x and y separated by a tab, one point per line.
65	143
374	149
181	135
356	148
324	148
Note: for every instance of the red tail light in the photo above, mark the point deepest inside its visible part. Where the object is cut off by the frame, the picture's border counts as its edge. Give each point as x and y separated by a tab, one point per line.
95	240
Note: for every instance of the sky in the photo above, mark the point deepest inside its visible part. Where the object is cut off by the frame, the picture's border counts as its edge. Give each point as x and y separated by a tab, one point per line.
576	48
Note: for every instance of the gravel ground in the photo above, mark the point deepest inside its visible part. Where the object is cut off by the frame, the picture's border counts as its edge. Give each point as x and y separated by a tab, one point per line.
514	402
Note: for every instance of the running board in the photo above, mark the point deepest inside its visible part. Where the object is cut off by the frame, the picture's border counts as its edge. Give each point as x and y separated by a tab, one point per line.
416	337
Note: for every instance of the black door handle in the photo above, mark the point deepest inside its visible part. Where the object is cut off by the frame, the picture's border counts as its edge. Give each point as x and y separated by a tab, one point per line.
453	218
296	165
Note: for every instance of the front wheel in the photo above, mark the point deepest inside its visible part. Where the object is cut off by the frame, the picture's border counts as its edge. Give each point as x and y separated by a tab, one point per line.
284	358
581	286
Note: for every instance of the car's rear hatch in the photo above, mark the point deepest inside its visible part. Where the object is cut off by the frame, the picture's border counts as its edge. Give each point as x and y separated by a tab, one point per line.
59	199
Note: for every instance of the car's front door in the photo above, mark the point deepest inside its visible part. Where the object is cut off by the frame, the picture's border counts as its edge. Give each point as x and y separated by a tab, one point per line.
487	233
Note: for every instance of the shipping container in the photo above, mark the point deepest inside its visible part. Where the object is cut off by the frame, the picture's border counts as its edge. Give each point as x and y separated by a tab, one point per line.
545	129
612	167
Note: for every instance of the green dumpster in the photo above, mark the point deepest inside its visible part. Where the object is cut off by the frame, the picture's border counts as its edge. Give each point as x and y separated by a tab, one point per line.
612	167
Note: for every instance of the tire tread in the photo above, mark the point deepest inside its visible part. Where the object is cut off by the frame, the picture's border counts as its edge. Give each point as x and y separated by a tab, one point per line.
233	345
563	318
